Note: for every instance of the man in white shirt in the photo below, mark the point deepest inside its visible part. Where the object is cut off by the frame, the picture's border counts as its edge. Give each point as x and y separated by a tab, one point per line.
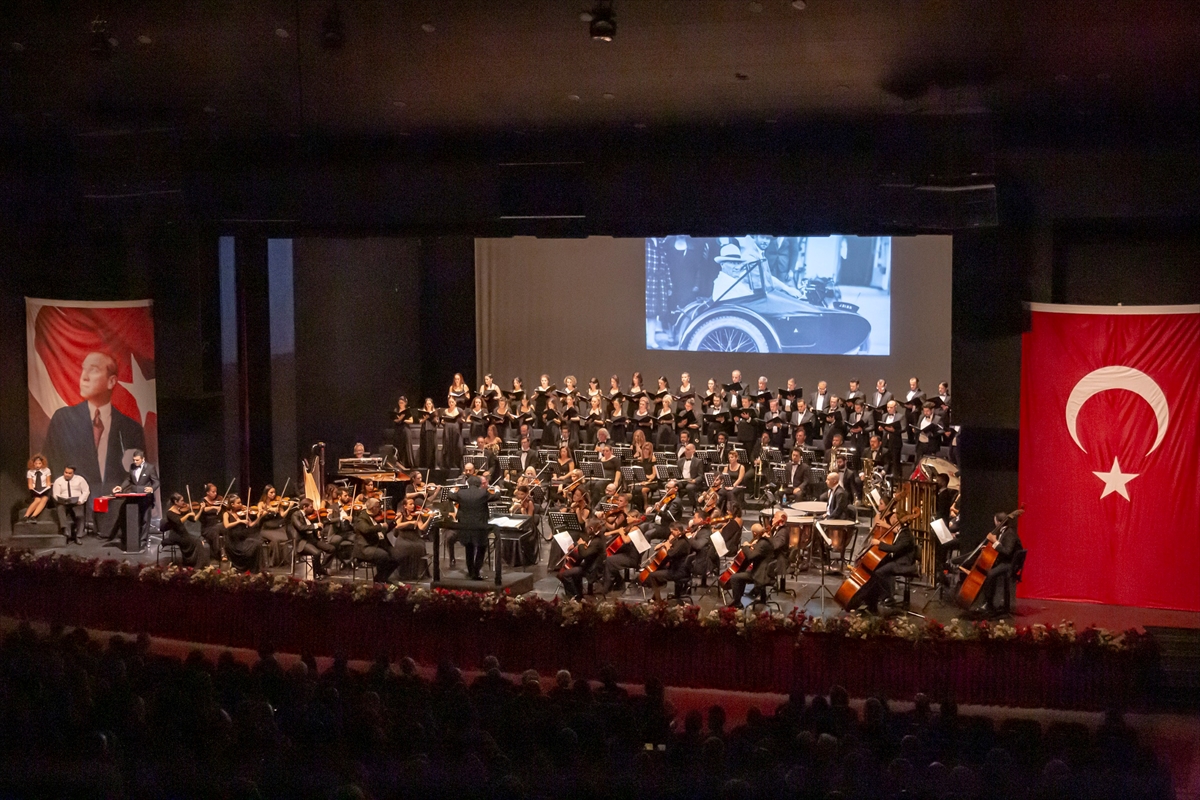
71	493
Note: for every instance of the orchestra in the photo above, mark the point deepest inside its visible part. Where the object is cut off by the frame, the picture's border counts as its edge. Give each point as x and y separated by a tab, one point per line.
656	484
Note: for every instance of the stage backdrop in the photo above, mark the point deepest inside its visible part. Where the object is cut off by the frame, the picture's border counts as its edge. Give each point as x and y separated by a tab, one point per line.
91	386
578	306
1108	470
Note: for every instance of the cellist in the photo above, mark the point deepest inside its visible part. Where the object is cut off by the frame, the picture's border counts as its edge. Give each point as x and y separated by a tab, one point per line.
584	559
900	560
675	564
758	552
1004	540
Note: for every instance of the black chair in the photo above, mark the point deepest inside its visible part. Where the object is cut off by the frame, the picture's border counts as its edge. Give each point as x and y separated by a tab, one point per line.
1014	577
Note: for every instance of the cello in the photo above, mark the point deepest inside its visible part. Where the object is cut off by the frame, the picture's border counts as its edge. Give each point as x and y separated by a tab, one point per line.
740	561
977	574
866	564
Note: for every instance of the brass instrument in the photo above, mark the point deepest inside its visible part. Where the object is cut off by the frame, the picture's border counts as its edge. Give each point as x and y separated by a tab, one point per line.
868	478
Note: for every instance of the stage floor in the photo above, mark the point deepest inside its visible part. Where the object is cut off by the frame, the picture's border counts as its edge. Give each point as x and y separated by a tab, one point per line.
924	600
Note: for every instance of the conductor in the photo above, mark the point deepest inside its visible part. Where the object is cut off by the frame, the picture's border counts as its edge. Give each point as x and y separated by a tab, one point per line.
473	527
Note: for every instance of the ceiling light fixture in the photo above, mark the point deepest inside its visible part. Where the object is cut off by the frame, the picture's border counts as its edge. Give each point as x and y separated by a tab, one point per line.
144	39
428	27
282	33
603	27
333	32
799	5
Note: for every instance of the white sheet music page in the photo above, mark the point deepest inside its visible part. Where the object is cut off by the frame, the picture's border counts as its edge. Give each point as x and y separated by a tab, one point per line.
564	540
639	541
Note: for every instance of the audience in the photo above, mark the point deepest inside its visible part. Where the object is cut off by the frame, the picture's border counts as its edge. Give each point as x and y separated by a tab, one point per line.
81	719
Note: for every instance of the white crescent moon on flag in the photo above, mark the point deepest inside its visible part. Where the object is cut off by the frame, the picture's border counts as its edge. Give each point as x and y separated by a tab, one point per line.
1119	378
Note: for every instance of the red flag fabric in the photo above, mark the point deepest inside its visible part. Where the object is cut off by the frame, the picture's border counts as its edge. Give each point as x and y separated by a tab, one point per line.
1109	442
61	336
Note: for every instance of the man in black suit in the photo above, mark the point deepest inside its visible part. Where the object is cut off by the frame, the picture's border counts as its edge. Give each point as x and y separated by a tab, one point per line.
668	515
143	478
837	499
893	425
691	474
473	526
527	457
93	435
758	557
881	395
834	421
585	559
900	560
1007	543
795	477
370	541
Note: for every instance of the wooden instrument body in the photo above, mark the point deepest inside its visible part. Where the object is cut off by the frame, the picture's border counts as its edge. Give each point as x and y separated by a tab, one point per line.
657	560
735	566
867	563
973	583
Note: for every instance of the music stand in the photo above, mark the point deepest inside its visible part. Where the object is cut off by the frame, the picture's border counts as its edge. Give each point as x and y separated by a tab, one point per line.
821	589
509	463
633	475
592	469
584	456
132	519
666	472
561	521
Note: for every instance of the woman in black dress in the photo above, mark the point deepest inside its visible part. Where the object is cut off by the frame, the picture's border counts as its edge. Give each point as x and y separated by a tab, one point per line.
506	419
192	551
452	443
594	419
210	520
635	391
642	418
402	417
570	421
645	459
551	423
459	390
243	544
618	423
427	455
542	394
477	418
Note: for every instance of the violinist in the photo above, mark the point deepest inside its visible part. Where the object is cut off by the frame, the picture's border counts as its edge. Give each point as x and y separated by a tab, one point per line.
699	536
646	460
369	490
666	512
584	560
572	484
1006	543
210	519
522	500
270	515
402	417
427	451
370	541
691	474
304	526
460	392
674	567
409	550
617	524
191	548
243	544
900	560
758	552
731	531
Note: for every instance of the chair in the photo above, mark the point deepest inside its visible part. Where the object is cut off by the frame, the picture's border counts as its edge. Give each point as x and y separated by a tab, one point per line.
1014	577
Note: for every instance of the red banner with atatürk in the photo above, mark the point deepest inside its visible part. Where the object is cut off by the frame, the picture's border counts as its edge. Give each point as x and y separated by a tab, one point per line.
1109	473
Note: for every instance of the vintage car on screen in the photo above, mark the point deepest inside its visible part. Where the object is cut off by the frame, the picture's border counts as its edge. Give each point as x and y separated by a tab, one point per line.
752	312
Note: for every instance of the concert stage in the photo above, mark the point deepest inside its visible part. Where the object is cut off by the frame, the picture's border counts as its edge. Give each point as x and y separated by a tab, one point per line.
1056	666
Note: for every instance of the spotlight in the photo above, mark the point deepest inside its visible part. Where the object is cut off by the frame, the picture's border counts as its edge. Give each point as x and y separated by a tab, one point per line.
333	33
603	26
101	46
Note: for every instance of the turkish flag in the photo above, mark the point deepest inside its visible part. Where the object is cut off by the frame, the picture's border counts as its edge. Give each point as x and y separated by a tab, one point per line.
1110	440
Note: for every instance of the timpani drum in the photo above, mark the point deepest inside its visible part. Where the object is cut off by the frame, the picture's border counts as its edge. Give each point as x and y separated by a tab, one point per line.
810	507
838	531
799	528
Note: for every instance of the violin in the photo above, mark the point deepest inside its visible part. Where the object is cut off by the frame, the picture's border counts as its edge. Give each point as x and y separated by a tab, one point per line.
666	500
385	516
570	487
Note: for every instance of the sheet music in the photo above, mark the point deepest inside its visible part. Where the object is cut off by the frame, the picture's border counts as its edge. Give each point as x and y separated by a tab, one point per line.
943	533
565	542
718	543
639	541
824	536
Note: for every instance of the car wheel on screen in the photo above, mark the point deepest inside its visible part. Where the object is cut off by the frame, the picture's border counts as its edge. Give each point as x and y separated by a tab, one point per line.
727	335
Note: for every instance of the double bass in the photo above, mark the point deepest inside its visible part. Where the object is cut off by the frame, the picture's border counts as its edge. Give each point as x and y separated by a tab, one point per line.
968	592
871	559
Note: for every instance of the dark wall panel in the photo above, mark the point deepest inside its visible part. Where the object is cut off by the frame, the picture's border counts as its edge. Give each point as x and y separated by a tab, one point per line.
357	337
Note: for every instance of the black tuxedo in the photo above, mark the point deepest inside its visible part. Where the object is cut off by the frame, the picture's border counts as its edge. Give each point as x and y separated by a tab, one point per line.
840	507
693	486
147	477
70	442
880	401
673	512
527	458
491	465
901	560
796	476
893	441
757	571
838	425
473	527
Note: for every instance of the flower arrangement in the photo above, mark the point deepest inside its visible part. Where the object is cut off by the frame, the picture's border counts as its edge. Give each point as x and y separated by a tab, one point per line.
529	608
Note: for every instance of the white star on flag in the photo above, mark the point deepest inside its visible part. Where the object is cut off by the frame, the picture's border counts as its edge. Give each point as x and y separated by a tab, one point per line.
1115	480
143	391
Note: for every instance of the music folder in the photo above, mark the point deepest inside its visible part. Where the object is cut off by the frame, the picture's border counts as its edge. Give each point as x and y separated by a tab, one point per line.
943	533
565	542
639	540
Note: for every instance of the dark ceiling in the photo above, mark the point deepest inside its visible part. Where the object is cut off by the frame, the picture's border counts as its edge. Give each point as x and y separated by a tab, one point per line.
258	67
